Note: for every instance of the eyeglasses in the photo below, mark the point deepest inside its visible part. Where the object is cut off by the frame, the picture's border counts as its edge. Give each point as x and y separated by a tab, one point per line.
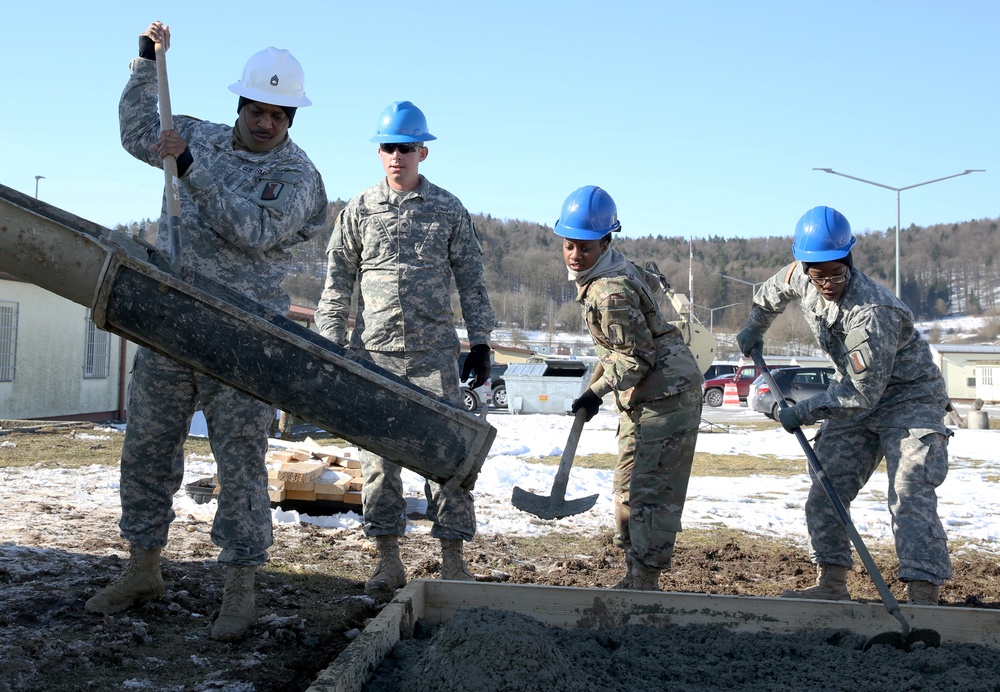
835	280
401	147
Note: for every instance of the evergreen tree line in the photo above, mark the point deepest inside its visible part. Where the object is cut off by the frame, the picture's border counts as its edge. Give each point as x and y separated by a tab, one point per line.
946	268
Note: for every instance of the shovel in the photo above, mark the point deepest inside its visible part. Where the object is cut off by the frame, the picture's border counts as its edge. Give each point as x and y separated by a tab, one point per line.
172	190
555	506
901	640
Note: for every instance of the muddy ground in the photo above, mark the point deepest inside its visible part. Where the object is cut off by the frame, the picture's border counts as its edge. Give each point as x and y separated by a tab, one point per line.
57	550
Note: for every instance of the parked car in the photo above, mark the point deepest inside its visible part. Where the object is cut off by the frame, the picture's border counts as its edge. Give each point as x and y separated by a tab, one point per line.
497	385
719	368
713	391
796	384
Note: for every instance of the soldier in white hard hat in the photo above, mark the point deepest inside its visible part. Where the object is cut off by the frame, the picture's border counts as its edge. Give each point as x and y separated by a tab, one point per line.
403	242
247	194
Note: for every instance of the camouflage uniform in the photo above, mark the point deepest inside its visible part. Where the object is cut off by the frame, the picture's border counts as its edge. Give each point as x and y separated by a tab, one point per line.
890	401
656	381
404	248
240	211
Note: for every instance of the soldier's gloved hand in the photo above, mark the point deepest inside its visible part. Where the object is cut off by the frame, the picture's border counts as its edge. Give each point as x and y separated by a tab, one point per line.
789	419
588	401
478	362
748	340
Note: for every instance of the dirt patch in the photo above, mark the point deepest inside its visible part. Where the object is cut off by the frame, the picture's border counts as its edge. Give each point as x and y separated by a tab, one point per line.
311	602
59	545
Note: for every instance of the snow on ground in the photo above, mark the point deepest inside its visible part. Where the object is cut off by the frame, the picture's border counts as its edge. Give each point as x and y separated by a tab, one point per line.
969	501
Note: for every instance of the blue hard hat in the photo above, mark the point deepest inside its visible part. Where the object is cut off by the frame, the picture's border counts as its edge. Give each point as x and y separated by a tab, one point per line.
401	121
588	213
822	235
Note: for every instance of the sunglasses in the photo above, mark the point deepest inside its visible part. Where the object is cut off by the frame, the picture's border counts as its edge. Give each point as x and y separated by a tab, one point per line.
833	280
401	147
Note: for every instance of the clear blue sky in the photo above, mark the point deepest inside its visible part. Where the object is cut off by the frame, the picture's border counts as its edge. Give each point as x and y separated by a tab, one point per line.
700	119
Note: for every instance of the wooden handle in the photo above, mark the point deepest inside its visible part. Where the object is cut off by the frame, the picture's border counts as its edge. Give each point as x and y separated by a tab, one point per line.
171	186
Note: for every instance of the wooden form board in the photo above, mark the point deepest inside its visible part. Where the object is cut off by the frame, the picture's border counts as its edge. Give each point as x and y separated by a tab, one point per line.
435	601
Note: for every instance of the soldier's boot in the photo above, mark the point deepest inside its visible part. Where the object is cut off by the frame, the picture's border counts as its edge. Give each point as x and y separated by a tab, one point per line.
831	585
238	610
626	581
453	562
640	578
389	572
140	582
923	592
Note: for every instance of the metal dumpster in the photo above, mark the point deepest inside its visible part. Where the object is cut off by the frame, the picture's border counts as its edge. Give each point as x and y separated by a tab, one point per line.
546	387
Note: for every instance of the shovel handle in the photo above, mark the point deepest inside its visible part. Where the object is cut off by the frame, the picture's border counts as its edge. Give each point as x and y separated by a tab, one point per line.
891	604
171	185
569	452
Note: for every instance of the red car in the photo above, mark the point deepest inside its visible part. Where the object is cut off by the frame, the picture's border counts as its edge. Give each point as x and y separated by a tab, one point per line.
713	391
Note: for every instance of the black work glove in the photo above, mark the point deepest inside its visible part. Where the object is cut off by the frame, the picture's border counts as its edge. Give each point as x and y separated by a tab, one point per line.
748	340
478	362
184	162
587	401
789	419
147	49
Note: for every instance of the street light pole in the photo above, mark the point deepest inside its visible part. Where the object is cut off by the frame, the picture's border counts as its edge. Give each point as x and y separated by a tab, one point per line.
711	314
897	190
37	178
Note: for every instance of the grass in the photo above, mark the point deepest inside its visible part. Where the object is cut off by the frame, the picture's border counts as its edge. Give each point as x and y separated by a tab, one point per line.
74	447
83	445
725	465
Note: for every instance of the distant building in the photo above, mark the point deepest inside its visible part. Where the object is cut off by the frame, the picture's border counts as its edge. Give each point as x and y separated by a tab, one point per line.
970	371
55	364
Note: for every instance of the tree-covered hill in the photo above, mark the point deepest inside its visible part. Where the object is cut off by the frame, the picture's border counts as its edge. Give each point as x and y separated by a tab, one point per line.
945	268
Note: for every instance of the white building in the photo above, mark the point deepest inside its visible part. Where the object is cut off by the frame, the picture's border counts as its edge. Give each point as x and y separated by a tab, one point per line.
970	371
55	364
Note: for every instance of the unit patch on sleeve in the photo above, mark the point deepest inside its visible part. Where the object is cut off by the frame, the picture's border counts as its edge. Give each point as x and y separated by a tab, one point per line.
271	191
859	352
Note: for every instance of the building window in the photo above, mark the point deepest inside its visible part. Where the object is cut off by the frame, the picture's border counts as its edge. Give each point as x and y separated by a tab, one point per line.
8	340
97	353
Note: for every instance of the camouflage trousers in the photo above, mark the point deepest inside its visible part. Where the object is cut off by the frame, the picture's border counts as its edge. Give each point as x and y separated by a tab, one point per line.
452	512
656	442
163	396
916	460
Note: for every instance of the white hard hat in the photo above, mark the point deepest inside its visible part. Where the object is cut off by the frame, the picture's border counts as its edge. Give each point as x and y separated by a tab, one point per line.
273	76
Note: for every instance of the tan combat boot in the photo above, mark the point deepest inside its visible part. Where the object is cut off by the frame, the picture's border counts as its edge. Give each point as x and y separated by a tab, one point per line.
626	581
238	610
640	578
141	582
452	562
389	572
831	585
923	592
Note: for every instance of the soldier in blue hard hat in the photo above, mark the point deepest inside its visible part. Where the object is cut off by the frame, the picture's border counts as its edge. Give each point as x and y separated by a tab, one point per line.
655	379
403	242
891	401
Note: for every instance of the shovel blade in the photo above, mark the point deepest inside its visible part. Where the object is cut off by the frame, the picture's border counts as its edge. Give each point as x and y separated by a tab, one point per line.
548	507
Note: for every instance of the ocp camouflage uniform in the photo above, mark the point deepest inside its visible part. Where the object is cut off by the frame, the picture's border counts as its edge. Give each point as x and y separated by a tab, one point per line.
404	248
891	400
240	210
657	386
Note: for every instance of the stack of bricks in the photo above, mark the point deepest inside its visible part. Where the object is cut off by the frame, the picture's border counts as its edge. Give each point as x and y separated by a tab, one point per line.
313	473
